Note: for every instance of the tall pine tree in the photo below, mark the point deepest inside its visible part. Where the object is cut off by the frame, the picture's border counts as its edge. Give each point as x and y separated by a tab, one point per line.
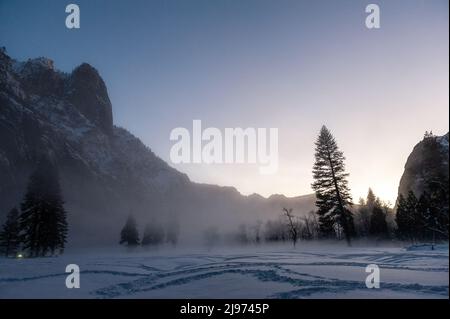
43	222
371	199
129	234
9	236
331	187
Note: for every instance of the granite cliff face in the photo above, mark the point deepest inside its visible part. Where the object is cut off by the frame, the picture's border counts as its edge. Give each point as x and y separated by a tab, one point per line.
87	92
106	172
427	162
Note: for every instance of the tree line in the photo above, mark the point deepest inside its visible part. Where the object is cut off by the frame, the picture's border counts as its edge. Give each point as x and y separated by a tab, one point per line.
153	235
40	227
371	219
336	216
416	219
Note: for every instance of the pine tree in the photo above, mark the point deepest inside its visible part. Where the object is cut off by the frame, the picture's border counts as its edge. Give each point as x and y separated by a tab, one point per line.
439	210
364	213
415	221
433	217
371	199
378	224
43	222
9	236
409	218
362	219
331	187
401	218
424	218
129	234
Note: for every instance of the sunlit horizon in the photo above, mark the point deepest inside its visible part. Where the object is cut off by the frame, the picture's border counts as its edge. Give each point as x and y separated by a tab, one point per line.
386	189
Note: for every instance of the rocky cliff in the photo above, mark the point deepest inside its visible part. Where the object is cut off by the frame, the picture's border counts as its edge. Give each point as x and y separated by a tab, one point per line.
427	162
106	172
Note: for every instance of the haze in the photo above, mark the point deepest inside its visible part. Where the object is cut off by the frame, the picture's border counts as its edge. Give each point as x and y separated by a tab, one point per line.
294	65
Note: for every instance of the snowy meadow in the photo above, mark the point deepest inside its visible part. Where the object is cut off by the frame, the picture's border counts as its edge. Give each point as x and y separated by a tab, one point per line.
308	271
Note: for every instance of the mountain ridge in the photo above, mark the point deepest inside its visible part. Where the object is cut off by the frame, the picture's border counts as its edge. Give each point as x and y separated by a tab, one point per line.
107	173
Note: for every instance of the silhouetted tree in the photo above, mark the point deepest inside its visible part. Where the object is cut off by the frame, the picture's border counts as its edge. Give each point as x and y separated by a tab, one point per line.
409	218
42	223
378	224
433	218
129	234
362	219
401	218
364	213
292	225
331	187
9	236
425	218
371	199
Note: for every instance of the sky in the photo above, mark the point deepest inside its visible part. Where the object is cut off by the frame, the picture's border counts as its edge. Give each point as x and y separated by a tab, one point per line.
290	64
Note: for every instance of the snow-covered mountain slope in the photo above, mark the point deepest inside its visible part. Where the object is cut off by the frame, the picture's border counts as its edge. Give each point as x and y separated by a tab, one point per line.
106	172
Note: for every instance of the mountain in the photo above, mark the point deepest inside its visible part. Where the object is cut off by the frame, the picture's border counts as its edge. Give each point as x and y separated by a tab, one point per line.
427	162
106	173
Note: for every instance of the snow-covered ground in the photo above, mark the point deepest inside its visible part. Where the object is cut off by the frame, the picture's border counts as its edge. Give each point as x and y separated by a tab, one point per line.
254	272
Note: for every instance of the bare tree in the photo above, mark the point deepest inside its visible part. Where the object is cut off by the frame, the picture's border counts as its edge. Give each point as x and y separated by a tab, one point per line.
293	231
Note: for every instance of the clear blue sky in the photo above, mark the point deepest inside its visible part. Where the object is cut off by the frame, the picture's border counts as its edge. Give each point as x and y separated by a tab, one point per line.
294	65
